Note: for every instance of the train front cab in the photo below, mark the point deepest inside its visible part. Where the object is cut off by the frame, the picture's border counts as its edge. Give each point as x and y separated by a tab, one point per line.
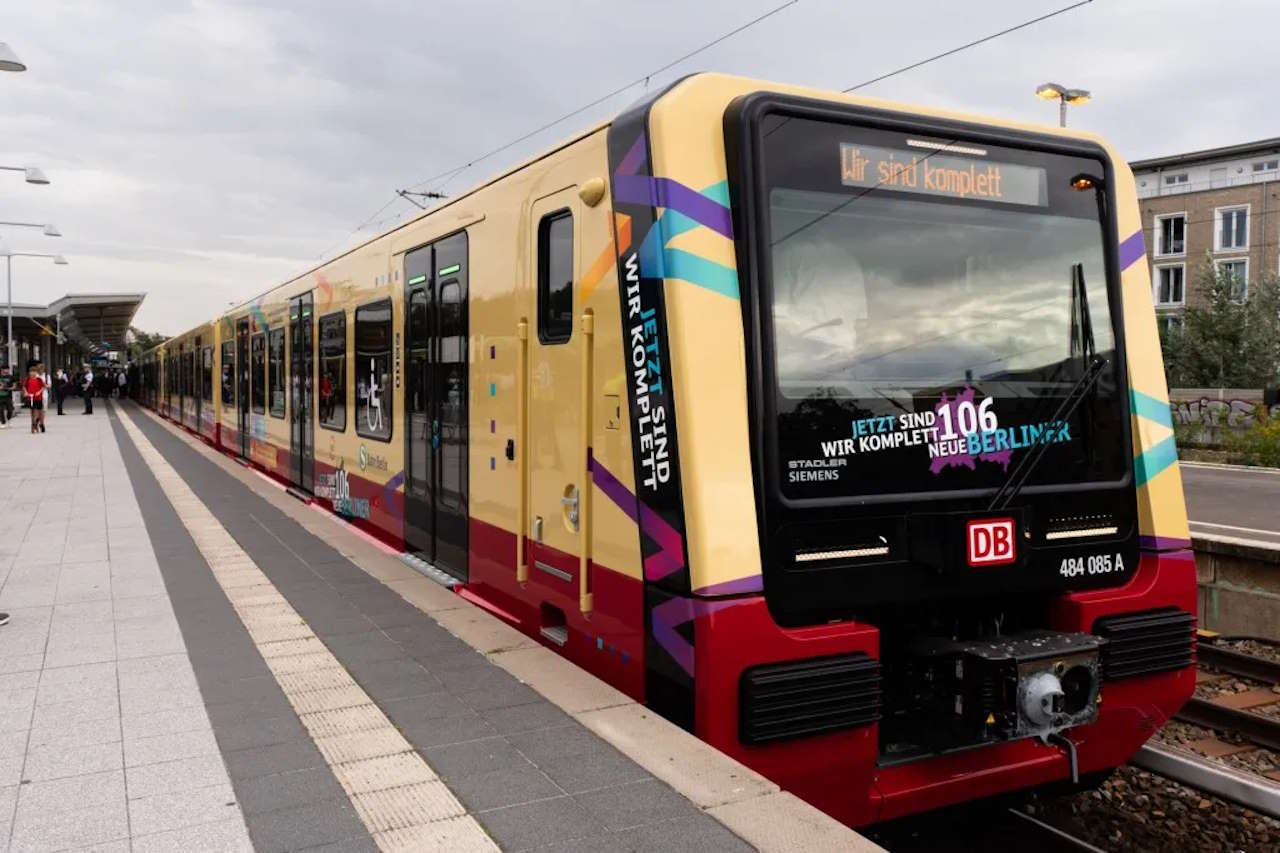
815	605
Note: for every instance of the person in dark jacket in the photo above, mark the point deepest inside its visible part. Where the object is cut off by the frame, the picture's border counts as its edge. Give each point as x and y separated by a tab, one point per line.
60	383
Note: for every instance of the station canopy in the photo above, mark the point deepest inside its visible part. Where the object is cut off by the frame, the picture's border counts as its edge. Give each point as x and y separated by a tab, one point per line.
95	322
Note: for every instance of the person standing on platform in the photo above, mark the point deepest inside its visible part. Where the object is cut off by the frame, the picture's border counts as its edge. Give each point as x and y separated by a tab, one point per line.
122	383
60	382
33	389
87	388
48	385
6	396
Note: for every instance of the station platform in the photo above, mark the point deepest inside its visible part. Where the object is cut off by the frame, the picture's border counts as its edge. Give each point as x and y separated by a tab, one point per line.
196	660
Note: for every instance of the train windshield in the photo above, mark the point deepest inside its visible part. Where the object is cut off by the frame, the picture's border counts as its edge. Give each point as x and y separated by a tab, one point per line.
933	303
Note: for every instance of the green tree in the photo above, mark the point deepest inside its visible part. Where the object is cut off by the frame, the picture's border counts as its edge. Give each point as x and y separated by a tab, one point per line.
141	341
1225	341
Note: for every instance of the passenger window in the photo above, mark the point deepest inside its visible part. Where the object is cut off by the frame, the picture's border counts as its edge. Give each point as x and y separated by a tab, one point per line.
333	371
258	362
206	374
275	348
555	277
373	370
229	375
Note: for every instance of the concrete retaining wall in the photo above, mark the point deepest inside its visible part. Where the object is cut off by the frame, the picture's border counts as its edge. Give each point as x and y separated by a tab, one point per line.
1239	586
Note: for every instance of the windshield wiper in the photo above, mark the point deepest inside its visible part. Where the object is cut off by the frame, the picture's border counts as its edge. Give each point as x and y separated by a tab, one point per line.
1081	344
1018	476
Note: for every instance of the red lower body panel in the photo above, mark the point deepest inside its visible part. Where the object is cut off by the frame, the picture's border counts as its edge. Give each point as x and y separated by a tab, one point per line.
838	773
608	643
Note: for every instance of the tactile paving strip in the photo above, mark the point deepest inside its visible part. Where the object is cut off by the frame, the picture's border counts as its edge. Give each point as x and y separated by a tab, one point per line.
396	793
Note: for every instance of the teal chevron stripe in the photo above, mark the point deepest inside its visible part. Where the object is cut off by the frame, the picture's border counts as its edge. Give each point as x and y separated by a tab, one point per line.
681	264
1146	406
718	192
695	269
1155	460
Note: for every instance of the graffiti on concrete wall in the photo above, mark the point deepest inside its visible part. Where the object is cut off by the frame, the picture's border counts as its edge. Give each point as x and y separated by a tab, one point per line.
1232	414
1208	416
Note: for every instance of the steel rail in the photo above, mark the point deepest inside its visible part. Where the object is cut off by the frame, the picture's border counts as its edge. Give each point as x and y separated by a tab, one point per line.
1239	663
1245	789
1264	731
1052	839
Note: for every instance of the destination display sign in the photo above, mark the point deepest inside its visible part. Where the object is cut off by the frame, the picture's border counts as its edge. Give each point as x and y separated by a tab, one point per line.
940	174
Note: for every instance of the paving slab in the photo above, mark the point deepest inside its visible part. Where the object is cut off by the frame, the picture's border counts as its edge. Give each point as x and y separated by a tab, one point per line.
267	591
93	664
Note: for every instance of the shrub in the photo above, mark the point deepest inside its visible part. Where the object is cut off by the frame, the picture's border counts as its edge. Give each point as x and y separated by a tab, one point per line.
1258	445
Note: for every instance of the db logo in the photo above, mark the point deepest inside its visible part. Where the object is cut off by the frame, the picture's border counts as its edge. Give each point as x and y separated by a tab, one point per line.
991	542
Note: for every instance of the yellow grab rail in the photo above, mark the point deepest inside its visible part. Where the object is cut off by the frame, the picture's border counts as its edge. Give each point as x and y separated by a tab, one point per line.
522	444
585	601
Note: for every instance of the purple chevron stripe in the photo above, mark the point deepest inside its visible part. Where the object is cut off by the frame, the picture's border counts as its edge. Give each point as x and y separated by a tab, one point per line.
611	486
671	614
669	557
673	195
1163	543
389	491
631	163
741	586
1132	250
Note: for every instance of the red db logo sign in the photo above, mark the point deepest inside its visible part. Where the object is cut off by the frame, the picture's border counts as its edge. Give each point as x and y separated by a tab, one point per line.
991	542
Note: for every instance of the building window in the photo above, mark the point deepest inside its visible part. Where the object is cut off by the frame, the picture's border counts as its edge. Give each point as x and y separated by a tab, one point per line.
1173	180
258	363
206	374
229	375
1169	285
333	371
1239	272
555	277
1172	232
1266	166
1233	228
1169	324
275	352
373	370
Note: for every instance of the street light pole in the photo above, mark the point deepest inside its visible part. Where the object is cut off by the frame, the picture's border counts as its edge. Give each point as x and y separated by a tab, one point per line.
50	230
1064	96
8	258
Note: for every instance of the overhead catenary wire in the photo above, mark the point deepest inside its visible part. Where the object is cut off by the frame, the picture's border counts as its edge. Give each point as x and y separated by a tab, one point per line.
618	91
953	51
449	174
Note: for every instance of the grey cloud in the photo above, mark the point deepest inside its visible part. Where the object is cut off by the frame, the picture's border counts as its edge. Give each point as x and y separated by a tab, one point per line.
205	150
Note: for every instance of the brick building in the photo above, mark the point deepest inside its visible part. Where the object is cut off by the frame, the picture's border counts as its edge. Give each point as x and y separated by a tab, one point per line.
1223	203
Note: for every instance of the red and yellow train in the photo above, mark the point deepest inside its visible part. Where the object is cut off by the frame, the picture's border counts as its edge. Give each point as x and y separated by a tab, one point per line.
834	430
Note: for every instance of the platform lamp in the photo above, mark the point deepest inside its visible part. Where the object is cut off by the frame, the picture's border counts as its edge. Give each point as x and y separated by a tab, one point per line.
1064	96
9	60
8	258
32	174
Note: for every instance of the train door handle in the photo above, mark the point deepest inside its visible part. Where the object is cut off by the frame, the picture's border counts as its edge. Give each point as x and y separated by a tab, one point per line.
570	502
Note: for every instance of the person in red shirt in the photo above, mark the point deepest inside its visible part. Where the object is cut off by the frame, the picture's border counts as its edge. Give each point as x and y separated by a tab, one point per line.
33	389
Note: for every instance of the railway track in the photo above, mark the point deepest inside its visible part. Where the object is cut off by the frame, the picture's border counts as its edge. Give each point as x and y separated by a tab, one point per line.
1232	712
1227	713
1043	838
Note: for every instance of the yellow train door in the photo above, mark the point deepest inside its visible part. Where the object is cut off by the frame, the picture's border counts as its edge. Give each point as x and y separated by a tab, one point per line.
556	470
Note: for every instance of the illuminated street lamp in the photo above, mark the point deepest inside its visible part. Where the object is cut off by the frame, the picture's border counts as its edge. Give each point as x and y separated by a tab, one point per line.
8	257
1064	96
32	174
9	60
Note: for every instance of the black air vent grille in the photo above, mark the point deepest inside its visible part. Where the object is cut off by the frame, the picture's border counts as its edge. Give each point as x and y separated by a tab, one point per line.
808	697
1147	642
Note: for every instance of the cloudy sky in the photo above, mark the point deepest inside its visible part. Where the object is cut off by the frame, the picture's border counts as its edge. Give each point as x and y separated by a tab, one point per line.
204	150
